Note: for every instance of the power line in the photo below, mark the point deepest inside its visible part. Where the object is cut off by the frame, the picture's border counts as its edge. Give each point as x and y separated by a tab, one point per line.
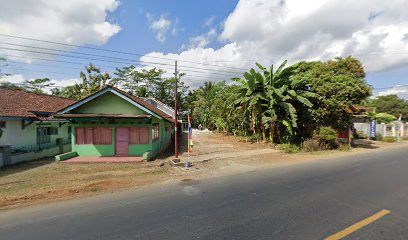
41	65
188	72
127	61
54	60
115	51
42	71
384	88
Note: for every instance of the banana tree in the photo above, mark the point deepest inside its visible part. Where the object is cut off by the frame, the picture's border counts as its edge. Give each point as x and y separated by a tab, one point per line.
251	97
271	98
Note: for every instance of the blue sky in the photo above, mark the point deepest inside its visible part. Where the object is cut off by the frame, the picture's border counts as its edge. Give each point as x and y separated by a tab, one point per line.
229	34
191	15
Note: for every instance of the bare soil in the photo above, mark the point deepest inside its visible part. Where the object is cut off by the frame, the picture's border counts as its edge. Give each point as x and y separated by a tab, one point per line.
213	154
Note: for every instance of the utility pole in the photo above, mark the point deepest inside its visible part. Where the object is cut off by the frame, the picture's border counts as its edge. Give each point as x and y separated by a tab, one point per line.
175	113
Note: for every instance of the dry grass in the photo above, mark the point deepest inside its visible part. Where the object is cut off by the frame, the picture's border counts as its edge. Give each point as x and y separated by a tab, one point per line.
46	180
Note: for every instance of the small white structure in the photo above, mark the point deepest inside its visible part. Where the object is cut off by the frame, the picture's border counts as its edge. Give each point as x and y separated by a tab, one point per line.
26	131
161	106
386	130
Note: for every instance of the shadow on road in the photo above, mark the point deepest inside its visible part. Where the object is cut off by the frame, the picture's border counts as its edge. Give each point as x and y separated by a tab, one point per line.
363	143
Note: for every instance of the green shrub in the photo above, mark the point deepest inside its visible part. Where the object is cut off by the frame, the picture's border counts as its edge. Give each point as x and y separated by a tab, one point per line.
378	137
345	147
385	118
327	137
360	135
249	138
289	148
389	139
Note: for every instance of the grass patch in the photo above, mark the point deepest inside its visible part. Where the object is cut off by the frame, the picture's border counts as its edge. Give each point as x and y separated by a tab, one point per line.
27	183
389	139
289	148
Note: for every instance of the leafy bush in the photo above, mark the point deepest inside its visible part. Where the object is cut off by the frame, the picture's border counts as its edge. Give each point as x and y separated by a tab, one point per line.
345	147
360	135
378	137
327	137
385	118
389	139
289	148
248	138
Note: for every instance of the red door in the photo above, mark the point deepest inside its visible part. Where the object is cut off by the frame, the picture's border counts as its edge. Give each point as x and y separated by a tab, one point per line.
122	141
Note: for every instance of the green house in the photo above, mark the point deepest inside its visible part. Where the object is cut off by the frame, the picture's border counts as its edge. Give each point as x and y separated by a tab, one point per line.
114	123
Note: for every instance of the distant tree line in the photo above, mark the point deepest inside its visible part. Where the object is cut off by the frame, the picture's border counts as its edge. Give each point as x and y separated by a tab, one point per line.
283	105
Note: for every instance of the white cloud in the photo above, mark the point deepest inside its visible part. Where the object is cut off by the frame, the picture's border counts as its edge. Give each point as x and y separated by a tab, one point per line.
203	40
206	56
209	21
76	22
160	26
400	91
270	31
19	79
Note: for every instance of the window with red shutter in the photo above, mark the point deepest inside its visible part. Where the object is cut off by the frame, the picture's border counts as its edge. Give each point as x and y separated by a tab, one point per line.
144	135
88	135
96	135
102	136
139	135
79	136
134	133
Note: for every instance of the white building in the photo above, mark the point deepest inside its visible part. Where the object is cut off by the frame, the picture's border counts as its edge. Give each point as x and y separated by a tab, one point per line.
26	132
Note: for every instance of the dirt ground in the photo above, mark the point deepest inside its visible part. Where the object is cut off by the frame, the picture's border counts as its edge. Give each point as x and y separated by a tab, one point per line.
213	154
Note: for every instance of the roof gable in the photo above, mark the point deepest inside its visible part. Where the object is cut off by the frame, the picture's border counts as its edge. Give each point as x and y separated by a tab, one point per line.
137	102
108	103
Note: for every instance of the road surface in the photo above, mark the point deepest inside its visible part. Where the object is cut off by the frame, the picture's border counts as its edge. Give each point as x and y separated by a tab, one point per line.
359	197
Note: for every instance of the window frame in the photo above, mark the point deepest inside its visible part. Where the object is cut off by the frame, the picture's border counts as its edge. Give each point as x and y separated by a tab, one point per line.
139	135
155	132
90	139
43	136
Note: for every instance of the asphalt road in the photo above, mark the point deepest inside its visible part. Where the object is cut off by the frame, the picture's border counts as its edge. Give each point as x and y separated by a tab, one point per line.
310	200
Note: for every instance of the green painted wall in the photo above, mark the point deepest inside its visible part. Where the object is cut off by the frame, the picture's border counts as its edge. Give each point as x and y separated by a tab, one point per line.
108	103
134	149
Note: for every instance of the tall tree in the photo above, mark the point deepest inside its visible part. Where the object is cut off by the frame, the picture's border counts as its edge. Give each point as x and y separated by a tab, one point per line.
390	104
339	84
37	85
92	80
139	82
150	83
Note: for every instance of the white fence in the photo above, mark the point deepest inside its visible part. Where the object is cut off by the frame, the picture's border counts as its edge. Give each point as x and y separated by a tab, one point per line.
391	129
30	156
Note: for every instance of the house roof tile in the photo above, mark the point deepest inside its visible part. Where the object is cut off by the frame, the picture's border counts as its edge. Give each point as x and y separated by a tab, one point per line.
145	104
20	103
